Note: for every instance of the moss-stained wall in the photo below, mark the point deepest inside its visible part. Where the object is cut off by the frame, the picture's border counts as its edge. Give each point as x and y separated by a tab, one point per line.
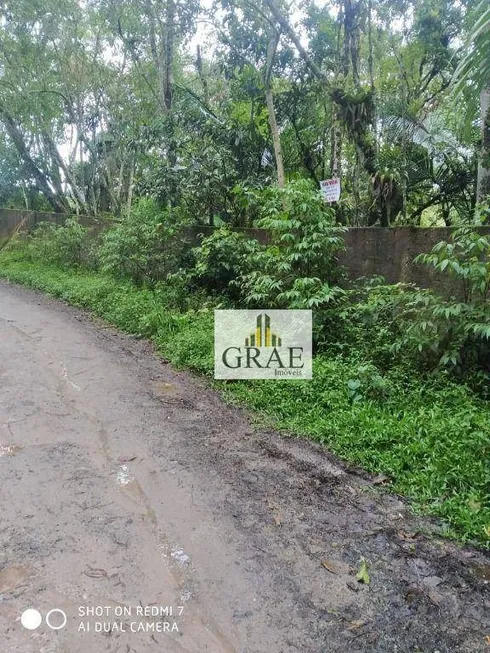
390	253
369	250
10	219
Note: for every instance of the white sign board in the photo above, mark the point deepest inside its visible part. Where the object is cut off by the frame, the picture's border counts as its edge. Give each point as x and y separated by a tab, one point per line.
330	189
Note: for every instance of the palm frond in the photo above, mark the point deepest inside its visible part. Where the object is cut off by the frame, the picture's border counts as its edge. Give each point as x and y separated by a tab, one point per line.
474	68
431	133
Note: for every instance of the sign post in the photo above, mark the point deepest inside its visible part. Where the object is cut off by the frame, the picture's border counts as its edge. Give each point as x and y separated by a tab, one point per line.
330	189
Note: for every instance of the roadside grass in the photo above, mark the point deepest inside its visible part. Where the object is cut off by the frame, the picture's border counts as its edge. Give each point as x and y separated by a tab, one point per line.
430	436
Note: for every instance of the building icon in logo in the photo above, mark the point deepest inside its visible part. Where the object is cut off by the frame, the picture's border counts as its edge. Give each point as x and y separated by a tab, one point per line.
263	336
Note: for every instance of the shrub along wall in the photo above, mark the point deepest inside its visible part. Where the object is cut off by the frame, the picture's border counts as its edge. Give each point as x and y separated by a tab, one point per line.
15	219
401	376
369	251
372	251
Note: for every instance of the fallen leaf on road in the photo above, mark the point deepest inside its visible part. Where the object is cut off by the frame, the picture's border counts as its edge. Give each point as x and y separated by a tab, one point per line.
276	513
363	575
432	581
407	536
474	506
435	597
415	593
354	625
329	567
352	586
12	577
95	573
482	571
126	459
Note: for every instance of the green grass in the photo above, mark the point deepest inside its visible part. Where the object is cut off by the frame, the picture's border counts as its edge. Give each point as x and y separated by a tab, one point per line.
430	436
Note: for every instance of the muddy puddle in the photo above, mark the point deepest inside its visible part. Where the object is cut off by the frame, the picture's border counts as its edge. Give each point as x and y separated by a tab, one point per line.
9	449
180	556
124	476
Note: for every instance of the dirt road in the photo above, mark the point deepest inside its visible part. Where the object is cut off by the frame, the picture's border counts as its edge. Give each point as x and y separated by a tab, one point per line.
134	500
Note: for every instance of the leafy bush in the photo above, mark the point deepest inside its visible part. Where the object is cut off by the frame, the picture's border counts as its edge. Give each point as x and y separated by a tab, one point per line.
221	258
466	258
367	382
403	326
65	245
377	322
299	269
459	331
143	245
407	327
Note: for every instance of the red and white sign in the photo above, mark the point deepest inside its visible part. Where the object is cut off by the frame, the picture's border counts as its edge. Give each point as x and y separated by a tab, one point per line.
330	189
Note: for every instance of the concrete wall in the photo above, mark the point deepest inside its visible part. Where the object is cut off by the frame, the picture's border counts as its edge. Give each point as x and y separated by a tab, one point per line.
12	219
369	250
390	253
374	251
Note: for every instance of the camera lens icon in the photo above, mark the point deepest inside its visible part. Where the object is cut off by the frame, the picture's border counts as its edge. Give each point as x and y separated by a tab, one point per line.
56	623
31	619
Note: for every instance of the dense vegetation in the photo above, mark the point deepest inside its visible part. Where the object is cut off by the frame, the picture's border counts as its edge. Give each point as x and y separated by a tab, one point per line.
191	104
157	115
400	374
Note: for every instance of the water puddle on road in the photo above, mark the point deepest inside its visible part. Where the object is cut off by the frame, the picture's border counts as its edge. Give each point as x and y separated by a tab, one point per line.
124	477
9	449
180	556
133	491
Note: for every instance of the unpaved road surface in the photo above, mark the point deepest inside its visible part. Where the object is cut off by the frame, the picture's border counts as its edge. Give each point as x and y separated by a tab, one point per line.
127	487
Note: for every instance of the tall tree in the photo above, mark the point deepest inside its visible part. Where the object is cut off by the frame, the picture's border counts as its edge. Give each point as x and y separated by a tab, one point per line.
474	72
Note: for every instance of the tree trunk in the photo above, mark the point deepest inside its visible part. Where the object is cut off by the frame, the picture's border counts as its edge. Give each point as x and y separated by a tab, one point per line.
336	145
287	29
483	181
269	98
78	193
351	39
130	186
158	54
17	138
202	76
276	139
169	52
